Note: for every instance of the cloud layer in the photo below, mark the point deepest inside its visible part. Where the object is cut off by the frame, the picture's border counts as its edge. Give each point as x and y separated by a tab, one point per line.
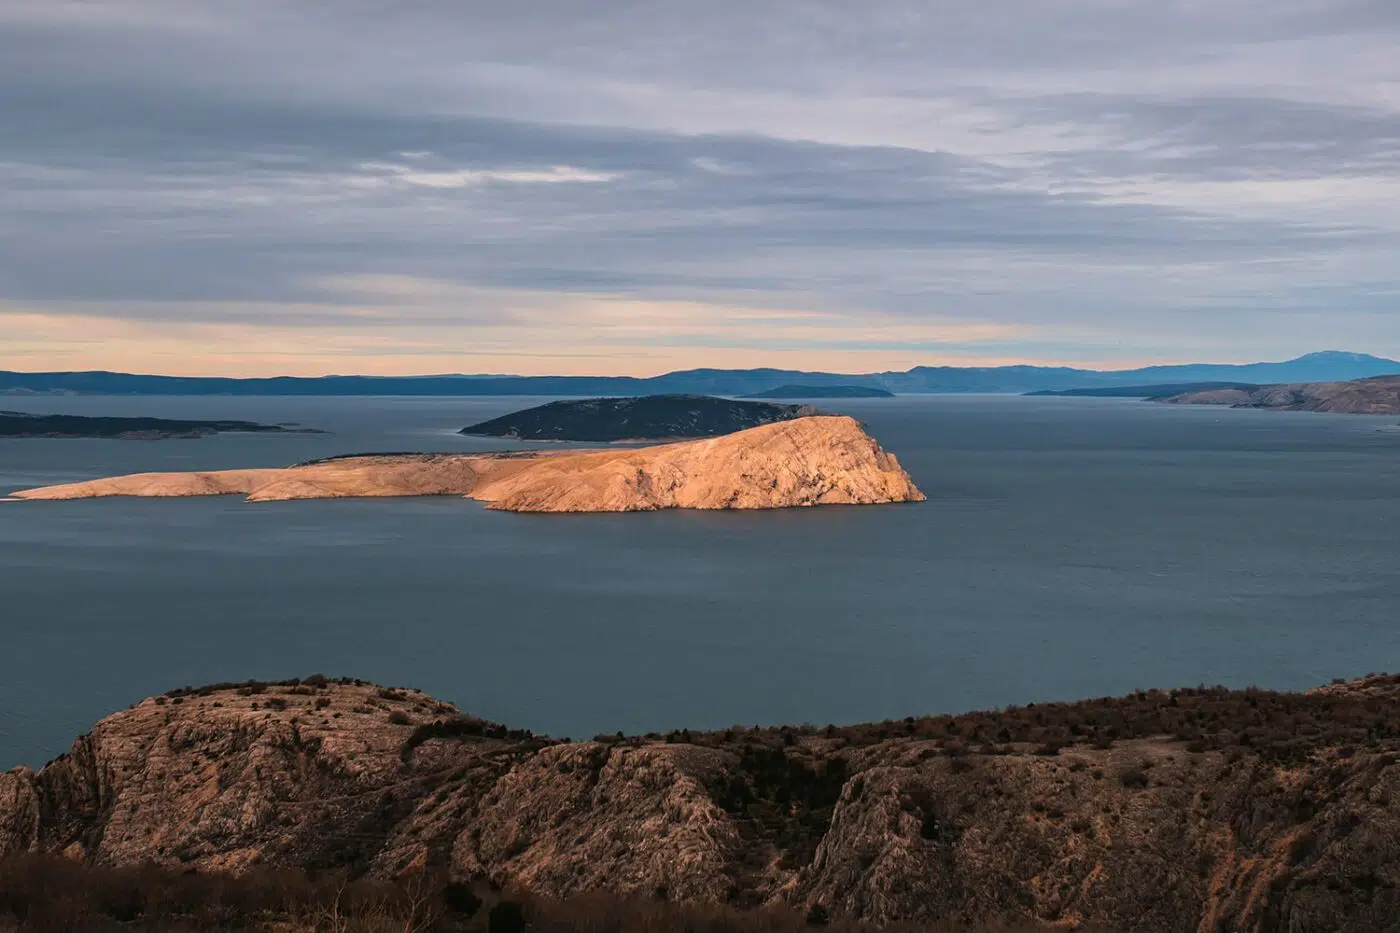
309	186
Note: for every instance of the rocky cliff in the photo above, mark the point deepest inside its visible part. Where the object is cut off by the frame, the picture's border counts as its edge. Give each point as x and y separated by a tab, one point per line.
817	460
1198	810
1376	396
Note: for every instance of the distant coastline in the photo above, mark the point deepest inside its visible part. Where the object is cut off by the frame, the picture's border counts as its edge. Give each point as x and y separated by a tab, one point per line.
17	424
1375	396
1325	366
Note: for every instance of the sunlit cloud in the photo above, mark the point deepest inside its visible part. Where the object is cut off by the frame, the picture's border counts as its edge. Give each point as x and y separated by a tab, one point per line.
389	173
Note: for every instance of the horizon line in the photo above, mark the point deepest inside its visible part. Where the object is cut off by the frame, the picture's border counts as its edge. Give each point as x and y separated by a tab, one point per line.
670	372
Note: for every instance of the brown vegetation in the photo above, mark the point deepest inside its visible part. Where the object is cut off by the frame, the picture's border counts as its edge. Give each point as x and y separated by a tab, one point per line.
1278	726
51	894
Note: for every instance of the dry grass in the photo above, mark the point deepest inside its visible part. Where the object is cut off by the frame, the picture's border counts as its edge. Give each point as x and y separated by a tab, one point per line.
1280	727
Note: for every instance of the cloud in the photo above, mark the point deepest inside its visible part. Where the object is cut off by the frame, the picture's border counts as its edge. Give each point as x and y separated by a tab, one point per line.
1099	180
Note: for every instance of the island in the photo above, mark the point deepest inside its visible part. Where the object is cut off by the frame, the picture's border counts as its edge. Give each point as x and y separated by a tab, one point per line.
1145	391
1163	811
24	424
843	391
639	418
1378	395
813	460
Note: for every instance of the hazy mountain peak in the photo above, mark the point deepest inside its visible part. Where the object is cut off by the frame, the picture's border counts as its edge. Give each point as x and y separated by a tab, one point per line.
1339	356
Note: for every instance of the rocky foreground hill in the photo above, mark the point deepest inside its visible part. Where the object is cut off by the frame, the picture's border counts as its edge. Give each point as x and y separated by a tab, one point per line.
818	460
1202	810
1379	395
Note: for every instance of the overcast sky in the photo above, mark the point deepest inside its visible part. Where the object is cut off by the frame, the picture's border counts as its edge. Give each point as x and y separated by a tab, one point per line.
633	186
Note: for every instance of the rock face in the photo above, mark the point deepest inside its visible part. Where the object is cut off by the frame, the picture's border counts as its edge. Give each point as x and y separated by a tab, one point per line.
1376	396
1279	814
646	417
817	460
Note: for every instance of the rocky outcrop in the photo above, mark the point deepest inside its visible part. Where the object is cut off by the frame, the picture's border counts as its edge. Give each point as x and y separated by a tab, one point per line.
817	460
1376	396
592	816
1212	810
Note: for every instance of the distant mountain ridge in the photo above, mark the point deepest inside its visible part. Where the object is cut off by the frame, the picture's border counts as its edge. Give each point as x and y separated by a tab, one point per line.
831	391
1326	366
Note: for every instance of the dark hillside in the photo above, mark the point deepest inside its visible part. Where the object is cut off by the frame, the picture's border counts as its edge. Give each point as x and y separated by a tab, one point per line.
647	417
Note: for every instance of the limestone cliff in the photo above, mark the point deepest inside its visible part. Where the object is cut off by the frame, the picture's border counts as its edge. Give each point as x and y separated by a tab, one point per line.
1379	395
815	460
1196	810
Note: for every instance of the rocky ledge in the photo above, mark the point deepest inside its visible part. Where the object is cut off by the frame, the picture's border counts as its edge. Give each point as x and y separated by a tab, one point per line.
1173	811
817	460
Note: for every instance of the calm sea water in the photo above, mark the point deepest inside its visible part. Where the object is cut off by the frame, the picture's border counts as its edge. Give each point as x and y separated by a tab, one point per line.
1069	548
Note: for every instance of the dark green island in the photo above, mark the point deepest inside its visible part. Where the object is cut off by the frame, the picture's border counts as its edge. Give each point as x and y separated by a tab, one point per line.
646	417
804	391
24	424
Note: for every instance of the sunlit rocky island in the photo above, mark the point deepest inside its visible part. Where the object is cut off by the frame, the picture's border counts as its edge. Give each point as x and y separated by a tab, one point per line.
807	461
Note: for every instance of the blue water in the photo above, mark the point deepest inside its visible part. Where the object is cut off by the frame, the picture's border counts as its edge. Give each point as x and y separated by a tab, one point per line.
1069	548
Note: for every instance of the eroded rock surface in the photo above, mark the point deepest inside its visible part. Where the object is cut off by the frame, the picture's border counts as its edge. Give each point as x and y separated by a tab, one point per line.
1190	811
818	460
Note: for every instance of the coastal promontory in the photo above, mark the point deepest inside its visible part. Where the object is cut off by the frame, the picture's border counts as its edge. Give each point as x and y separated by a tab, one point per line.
814	460
1379	395
646	417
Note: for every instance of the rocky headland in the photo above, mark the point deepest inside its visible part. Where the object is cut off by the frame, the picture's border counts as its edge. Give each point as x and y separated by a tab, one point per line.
1191	811
23	424
816	460
1379	395
642	418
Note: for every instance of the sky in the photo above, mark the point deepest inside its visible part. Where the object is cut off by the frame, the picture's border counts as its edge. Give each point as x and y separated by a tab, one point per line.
636	186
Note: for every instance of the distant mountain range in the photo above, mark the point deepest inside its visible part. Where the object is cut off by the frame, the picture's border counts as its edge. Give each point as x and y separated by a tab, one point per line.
1326	366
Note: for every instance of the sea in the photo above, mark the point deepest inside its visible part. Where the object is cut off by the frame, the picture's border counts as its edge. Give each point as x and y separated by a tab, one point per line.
1069	548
